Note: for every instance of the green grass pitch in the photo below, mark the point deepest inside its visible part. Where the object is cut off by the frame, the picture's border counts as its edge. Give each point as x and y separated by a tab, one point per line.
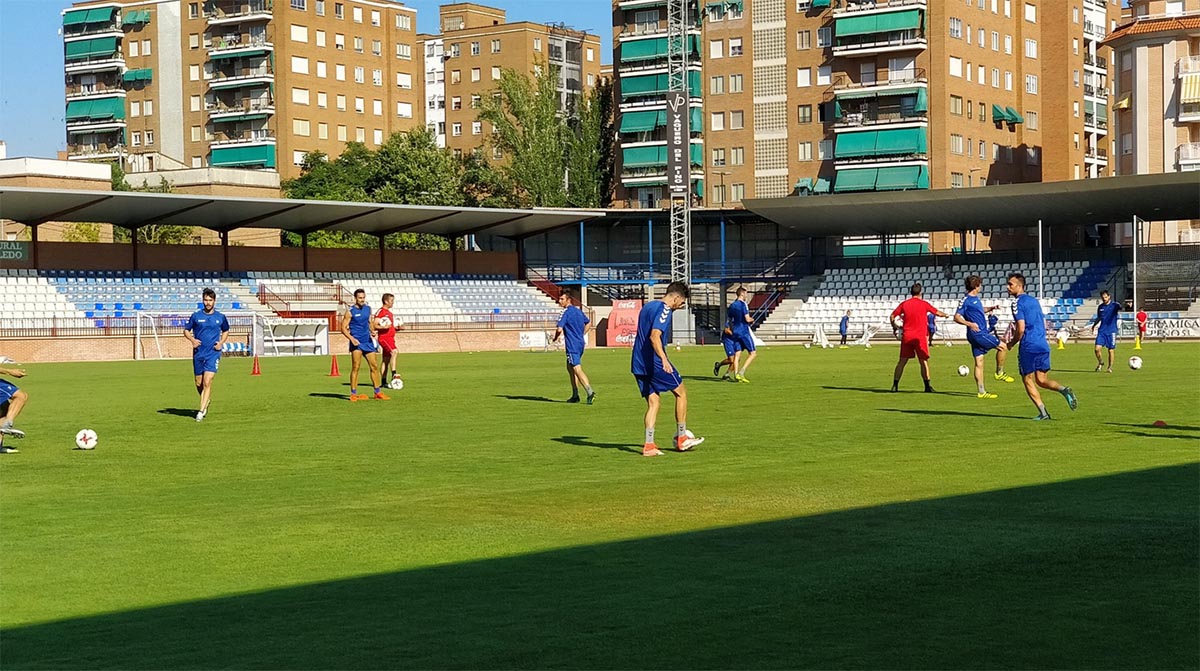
477	521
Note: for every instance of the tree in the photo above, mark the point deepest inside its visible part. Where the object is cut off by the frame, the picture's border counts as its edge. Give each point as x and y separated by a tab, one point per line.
584	152
155	234
603	95
486	184
81	233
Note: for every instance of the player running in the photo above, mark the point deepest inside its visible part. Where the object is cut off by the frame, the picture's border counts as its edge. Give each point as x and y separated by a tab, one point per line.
12	399
1034	355
731	355
739	321
914	342
573	328
387	338
207	330
359	328
981	333
1106	318
653	371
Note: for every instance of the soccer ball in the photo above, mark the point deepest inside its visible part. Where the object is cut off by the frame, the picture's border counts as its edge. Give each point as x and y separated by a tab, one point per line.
86	439
687	433
1135	362
383	323
963	371
397	384
807	345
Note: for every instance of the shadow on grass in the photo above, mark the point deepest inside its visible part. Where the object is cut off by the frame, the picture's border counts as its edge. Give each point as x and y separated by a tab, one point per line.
584	442
322	394
538	399
884	390
1144	434
955	413
705	378
1090	573
1169	427
179	412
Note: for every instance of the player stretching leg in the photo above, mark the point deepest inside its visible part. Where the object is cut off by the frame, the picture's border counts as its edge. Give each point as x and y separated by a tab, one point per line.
207	330
359	328
980	335
12	400
387	338
1034	354
573	328
731	355
1106	318
653	371
915	340
739	323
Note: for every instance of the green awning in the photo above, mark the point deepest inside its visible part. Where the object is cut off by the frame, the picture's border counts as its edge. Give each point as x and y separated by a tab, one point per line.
1089	107
697	154
1013	115
100	109
735	4
102	46
75	17
876	93
901	142
78	109
136	17
644	157
239	54
242	117
820	4
101	15
822	185
998	114
139	75
898	178
651	84
909	19
696	122
862	179
260	155
854	145
856	25
700	188
922	100
1101	112
650	49
637	122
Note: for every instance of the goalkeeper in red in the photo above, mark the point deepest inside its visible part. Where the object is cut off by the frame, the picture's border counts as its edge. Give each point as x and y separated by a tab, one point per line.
914	342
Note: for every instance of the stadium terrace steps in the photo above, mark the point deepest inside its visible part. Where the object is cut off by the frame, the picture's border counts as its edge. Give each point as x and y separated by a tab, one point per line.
33	302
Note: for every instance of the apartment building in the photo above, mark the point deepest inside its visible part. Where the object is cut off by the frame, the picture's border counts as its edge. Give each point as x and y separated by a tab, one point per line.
843	96
166	84
476	43
1157	92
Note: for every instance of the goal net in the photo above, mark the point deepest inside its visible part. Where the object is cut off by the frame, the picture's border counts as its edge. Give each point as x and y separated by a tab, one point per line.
159	335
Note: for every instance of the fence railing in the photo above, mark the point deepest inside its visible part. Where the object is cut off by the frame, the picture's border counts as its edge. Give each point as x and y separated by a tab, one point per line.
68	327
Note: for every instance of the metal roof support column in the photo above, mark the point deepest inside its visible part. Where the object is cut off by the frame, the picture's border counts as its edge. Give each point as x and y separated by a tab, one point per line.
304	251
33	243
382	255
225	248
453	254
581	251
134	241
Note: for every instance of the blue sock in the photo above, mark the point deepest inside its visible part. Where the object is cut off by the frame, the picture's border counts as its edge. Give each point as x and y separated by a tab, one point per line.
353	391
376	390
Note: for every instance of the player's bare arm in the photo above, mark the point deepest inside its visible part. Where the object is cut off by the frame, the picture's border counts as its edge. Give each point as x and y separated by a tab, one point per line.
656	343
346	329
958	319
13	372
191	338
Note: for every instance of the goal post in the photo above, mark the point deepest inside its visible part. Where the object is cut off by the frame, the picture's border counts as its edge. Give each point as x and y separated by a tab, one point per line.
250	334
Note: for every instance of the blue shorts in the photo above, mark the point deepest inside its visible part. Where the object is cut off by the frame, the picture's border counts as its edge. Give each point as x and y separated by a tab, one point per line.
731	345
365	345
1033	361
982	342
658	382
205	362
745	341
7	391
574	358
1108	340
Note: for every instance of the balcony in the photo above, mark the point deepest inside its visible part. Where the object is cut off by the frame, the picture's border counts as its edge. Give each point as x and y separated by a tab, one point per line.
651	53
1095	91
259	136
1188	112
94	152
879	107
625	5
241	77
859	7
881	147
88	126
236	46
89	30
226	13
1187	154
88	22
1095	155
1095	61
96	90
93	55
1187	65
1096	122
892	79
877	43
218	111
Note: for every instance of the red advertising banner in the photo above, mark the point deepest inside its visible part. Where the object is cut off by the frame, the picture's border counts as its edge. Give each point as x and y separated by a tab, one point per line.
622	323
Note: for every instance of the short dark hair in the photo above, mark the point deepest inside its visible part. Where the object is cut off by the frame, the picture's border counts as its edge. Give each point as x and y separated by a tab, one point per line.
385	297
209	293
679	288
359	291
915	289
1018	277
1104	292
741	290
972	282
568	293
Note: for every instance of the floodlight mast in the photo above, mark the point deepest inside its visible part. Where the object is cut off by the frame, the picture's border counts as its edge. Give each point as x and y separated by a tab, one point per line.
679	165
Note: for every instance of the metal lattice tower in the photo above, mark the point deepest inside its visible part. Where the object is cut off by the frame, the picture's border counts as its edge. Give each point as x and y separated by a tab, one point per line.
678	12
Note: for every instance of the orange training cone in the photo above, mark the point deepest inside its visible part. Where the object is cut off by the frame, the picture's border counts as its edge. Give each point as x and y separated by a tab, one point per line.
333	369
255	370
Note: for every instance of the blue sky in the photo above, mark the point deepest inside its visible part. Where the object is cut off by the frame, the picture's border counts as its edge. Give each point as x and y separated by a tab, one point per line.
31	60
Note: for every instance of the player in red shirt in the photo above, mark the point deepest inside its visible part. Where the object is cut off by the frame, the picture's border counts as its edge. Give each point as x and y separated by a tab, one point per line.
1142	320
914	341
387	338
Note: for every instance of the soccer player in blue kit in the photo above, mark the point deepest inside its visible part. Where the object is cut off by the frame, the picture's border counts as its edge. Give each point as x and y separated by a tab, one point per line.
653	371
358	325
1034	354
729	343
980	335
207	330
739	321
1106	318
573	327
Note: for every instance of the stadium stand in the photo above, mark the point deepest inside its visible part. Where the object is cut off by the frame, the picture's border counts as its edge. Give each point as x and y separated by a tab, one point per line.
119	294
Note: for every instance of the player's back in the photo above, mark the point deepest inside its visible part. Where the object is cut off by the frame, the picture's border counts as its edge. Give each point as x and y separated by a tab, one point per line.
914	311
737	316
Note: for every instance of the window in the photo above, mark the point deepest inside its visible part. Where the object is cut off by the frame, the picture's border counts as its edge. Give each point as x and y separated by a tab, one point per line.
374	17
377	136
300	96
803	77
495	46
456	103
135	109
1031	48
456	76
475	74
804	113
404	51
456	129
300	65
956	28
969	70
968	146
970	106
148	109
376	47
197	161
737	120
1075	45
299	33
956	180
718	158
716	121
339	12
1076	105
360	74
136	139
356	12
475	100
495	73
805	151
1031	84
995	152
196	134
982	147
194	41
537	41
322	69
824	150
735	46
824	37
360	134
803	39
320	7
322	99
193	10
341	133
300	127
299	4
1031	120
1008	44
360	105
1008	77
377	77
195	103
716	12
956	66
339	72
716	48
956	105
1127	143
339	41
474	48
133	48
982	38
1032	156
718	193
737	192
1008	8
716	85
403	80
322	131
968	33
995	41
194	73
824	73
737	156
982	71
956	143
735	83
319	38
1174	8
1031	13
404	110
995	78
358	45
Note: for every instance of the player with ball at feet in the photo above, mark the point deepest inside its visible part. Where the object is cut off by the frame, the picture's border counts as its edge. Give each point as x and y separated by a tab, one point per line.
359	328
1034	354
386	325
973	315
653	371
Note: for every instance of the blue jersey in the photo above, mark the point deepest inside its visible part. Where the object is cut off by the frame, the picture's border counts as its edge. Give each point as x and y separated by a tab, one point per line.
738	310
572	323
1106	316
971	309
1028	308
844	325
992	321
360	323
207	327
654	315
932	324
